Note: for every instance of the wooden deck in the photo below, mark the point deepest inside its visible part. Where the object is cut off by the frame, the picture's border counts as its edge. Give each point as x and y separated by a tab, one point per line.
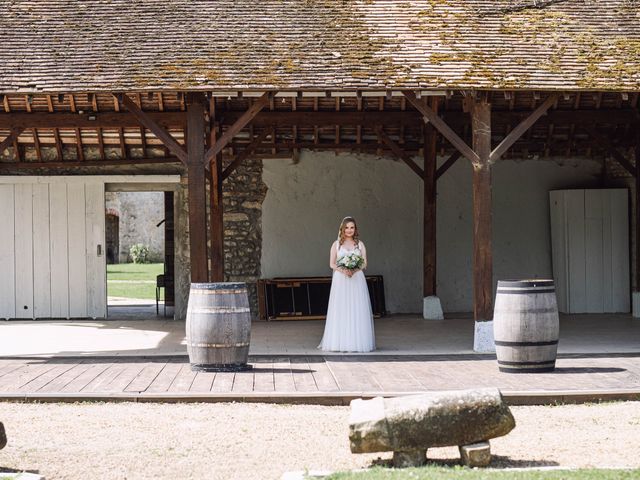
313	379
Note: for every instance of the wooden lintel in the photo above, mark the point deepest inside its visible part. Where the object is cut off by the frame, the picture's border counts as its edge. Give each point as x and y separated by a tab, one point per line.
89	120
244	154
11	138
163	135
88	163
441	126
237	126
605	143
448	164
513	136
312	118
399	152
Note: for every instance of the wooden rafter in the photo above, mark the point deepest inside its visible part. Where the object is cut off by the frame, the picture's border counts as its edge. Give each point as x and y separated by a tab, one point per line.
36	144
399	152
79	148
517	132
242	122
442	126
59	150
147	121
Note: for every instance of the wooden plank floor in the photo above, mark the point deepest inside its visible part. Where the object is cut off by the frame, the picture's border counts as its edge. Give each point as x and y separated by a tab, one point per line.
316	376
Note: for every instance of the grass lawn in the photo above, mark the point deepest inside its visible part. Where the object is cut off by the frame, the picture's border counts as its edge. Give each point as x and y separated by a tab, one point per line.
133	280
441	473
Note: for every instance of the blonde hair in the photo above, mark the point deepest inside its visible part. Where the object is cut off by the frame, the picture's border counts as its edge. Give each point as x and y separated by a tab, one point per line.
343	225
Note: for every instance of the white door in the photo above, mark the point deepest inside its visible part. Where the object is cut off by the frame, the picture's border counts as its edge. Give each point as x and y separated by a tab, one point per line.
52	262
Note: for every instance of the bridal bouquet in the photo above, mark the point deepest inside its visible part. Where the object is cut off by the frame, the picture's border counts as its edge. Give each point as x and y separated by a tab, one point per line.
351	261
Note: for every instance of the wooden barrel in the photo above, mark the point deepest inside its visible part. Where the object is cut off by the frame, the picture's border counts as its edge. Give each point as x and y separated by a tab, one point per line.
526	326
218	327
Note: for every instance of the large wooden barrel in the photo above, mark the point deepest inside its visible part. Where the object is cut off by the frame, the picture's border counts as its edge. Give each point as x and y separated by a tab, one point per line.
526	326
218	327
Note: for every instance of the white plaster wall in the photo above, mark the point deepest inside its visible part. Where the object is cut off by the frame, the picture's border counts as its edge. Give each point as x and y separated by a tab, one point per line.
306	201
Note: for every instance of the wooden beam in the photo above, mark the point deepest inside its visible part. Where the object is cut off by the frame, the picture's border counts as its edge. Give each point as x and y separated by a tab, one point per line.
237	126
301	118
482	213
87	163
197	192
399	152
429	212
147	121
448	164
11	138
244	154
513	136
441	126
605	143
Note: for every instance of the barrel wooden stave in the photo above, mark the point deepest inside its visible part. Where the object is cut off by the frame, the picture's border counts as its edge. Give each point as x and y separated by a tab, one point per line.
526	326
218	327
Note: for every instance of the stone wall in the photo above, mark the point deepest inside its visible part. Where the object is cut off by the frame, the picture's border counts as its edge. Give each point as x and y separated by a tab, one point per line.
243	194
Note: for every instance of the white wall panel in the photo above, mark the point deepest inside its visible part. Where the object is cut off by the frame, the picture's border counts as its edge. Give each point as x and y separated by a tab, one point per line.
59	250
24	250
41	252
77	250
95	245
7	252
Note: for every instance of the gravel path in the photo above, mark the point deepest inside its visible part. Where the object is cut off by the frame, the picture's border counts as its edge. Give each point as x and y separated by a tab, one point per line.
255	441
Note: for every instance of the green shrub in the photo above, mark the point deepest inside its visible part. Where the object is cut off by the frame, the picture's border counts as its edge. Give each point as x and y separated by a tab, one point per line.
139	253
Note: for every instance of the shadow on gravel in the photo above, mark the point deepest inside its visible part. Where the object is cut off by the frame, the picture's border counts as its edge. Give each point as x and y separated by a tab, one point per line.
497	461
589	370
14	470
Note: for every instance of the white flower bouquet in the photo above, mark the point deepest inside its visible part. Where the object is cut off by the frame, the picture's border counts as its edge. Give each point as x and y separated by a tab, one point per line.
351	261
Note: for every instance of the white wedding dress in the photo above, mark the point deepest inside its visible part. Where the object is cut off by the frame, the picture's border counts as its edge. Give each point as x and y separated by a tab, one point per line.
349	325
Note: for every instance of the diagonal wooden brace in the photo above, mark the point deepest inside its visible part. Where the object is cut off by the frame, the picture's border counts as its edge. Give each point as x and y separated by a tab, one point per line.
246	153
399	152
525	125
441	126
146	121
448	164
13	136
237	126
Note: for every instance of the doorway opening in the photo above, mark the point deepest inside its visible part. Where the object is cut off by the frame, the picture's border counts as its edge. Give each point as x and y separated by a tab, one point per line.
140	253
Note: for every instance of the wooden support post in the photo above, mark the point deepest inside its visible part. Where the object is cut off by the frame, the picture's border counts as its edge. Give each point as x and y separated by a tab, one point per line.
216	212
197	189
637	215
482	212
429	219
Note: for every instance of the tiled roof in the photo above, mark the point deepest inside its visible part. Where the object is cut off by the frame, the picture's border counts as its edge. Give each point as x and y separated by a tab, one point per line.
102	45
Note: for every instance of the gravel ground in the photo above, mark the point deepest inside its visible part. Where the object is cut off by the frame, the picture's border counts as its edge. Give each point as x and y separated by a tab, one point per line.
256	441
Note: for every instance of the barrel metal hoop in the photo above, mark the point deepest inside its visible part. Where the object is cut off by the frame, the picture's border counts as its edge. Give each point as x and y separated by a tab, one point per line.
502	343
218	292
548	369
525	363
219	345
219	309
523	291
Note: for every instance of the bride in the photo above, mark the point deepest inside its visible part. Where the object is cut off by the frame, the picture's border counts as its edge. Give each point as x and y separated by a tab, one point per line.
349	325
